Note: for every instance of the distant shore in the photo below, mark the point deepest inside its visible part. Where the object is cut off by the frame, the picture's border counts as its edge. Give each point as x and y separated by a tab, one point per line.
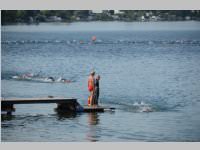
68	16
54	23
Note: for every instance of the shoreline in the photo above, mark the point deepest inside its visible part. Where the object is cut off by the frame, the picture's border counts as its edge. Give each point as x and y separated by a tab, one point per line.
97	26
97	21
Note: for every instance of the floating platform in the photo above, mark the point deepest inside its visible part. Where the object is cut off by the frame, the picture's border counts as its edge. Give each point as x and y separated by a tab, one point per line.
97	108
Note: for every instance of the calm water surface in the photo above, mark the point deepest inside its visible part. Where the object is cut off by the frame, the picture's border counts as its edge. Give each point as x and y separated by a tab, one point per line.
143	66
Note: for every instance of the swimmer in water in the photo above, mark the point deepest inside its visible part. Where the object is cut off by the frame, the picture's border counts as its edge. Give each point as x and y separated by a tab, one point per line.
24	76
51	79
66	81
63	80
16	77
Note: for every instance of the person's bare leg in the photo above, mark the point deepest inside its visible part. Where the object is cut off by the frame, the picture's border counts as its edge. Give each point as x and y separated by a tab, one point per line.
92	98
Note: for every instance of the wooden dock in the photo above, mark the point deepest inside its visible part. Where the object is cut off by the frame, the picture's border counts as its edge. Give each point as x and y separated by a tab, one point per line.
67	104
63	104
37	100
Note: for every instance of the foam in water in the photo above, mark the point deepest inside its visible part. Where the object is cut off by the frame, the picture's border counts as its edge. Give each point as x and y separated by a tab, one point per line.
32	77
142	107
137	107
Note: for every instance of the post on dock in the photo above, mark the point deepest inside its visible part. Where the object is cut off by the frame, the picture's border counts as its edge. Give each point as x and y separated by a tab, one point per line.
67	106
9	108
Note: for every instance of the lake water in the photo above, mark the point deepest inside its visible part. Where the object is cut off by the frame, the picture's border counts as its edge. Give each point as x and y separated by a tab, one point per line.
150	72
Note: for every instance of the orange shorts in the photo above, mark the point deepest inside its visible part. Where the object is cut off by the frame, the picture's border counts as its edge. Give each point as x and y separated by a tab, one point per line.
90	88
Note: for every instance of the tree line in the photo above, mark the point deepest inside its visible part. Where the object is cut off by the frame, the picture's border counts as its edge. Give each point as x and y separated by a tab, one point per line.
36	16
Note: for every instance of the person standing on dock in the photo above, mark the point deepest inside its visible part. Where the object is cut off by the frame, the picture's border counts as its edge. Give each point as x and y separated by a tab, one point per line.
96	93
91	88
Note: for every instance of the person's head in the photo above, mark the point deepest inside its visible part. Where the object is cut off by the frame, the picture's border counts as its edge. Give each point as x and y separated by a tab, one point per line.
98	77
92	73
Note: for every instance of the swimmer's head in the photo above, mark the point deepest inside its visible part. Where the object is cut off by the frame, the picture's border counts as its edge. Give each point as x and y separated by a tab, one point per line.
51	78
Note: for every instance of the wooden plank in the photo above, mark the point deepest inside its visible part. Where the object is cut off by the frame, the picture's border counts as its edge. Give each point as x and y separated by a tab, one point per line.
37	100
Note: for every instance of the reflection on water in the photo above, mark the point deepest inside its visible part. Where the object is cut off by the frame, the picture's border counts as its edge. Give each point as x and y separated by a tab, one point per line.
64	115
5	117
93	118
93	121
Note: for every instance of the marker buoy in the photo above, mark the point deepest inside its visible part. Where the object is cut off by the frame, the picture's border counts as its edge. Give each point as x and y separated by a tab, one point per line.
94	38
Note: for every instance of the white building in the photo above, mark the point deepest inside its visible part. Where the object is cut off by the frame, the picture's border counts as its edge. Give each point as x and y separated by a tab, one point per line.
154	18
187	18
54	18
118	12
142	18
97	11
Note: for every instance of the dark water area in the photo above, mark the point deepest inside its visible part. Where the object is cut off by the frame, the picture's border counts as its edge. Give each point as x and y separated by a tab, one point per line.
149	71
